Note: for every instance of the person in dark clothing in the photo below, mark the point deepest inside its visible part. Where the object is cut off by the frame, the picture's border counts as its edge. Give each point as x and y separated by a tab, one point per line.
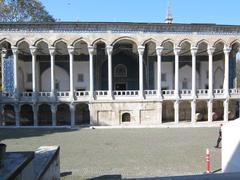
219	136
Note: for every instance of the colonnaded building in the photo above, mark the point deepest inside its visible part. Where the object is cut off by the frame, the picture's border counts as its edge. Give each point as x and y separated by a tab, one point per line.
112	73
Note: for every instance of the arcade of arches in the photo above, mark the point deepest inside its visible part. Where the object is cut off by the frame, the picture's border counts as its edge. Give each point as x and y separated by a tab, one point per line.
120	80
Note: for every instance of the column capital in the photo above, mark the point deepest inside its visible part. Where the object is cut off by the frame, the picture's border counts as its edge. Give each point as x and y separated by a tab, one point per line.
210	50
109	49
227	50
177	50
14	49
17	108
141	50
53	108
70	49
51	50
194	51
91	50
159	50
33	50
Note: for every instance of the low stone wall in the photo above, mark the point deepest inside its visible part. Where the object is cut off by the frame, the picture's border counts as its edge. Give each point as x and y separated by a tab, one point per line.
113	113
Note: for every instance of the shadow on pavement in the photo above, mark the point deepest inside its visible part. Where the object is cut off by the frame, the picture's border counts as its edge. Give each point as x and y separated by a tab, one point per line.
14	133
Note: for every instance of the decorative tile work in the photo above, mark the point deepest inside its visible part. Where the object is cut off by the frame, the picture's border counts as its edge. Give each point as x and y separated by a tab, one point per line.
8	79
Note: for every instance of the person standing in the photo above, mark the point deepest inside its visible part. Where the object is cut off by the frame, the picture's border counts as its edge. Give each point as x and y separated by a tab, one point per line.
219	136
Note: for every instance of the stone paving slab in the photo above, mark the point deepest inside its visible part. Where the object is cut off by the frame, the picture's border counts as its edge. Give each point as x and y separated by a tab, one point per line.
129	152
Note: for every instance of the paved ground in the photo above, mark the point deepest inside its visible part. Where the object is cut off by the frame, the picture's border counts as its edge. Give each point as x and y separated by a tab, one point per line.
127	152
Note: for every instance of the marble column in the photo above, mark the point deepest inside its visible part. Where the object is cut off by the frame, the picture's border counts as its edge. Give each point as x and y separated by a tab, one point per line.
193	102
72	111
193	111
52	57
109	52
226	107
176	111
91	85
210	110
33	51
35	114
54	110
15	71
159	70
140	53
226	72
71	88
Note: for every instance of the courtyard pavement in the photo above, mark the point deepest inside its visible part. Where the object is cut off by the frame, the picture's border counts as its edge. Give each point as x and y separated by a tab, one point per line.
129	152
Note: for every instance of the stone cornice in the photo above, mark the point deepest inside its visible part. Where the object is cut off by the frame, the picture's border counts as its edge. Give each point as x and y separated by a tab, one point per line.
120	27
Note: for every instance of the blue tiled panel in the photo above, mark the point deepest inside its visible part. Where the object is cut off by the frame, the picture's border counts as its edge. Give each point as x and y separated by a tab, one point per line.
8	74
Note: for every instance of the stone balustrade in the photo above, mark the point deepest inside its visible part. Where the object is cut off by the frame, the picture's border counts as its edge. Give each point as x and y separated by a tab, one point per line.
166	94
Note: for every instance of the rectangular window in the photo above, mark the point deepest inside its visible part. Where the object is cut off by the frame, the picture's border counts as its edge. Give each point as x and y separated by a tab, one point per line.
164	77
29	77
207	73
80	77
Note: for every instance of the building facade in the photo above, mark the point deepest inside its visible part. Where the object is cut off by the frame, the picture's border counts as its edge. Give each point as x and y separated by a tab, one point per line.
66	74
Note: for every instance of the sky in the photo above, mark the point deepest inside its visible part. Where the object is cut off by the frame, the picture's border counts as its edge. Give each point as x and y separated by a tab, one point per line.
184	11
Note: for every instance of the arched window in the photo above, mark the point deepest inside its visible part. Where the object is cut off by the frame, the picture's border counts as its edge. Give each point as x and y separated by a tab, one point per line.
126	117
120	71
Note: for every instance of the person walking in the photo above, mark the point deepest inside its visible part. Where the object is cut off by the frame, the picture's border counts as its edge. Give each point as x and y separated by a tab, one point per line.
219	136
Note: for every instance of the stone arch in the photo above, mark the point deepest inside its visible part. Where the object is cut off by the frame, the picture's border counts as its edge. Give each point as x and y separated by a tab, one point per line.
219	41
167	111
19	42
149	64
79	40
8	115
26	115
236	41
185	41
168	41
60	40
44	115
125	52
63	115
61	80
203	41
6	40
218	78
42	40
133	40
82	114
149	40
99	40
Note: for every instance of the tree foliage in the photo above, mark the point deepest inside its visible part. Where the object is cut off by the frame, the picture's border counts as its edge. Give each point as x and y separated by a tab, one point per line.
23	11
